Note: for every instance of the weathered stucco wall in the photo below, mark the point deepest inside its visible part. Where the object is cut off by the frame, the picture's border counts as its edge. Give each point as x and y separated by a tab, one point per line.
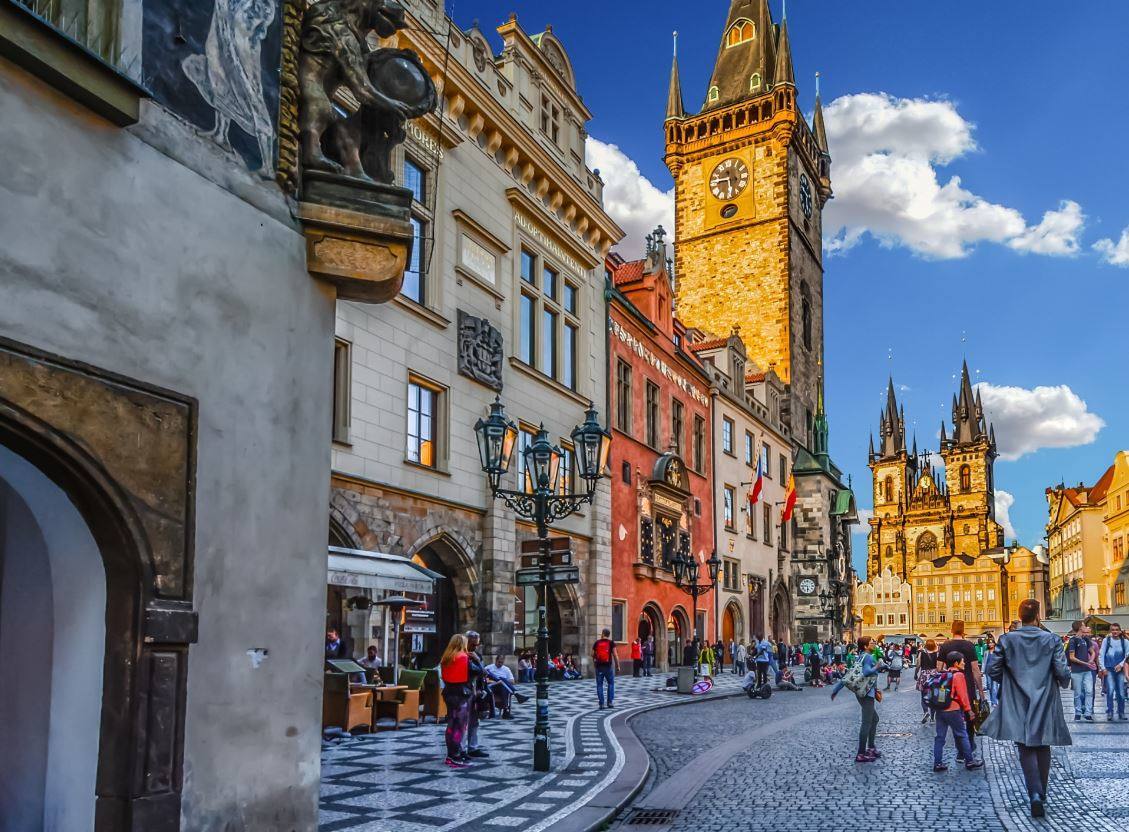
117	255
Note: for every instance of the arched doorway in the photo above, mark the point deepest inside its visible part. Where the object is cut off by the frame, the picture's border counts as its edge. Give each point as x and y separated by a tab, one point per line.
780	629
651	624
732	625
677	631
454	598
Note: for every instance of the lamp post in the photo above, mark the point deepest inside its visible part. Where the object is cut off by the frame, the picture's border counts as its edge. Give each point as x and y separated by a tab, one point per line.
542	502
686	572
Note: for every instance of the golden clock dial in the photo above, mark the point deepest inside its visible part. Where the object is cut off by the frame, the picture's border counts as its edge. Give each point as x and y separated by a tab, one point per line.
729	179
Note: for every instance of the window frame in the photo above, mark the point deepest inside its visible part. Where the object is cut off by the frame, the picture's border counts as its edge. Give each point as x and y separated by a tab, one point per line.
624	382
729	507
727	429
548	307
677	424
699	443
421	216
342	390
652	414
439	423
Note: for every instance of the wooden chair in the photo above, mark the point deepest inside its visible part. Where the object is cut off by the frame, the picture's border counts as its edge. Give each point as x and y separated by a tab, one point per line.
343	708
433	704
410	698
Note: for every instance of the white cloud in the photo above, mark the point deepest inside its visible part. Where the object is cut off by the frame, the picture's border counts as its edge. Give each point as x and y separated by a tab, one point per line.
1045	417
1004	502
865	515
886	152
1056	235
1116	254
629	197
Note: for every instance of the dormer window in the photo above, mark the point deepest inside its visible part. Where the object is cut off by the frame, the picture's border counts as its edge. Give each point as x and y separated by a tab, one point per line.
741	31
714	94
551	119
755	82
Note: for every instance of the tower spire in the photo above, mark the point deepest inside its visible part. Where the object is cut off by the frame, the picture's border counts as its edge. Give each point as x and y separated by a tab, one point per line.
893	431
783	73
674	108
746	56
818	128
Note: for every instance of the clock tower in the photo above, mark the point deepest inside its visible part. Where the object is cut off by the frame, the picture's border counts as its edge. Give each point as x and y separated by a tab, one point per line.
751	179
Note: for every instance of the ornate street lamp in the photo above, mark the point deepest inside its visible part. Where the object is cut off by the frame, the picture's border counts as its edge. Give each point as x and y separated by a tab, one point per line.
541	501
686	577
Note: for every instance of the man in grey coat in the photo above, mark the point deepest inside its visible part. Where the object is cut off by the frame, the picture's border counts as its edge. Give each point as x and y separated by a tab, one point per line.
1030	664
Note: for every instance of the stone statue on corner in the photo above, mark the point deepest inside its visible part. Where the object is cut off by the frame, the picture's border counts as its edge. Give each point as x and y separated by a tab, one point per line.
353	99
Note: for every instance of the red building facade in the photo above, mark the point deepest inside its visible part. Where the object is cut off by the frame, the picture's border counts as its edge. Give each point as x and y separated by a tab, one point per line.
661	461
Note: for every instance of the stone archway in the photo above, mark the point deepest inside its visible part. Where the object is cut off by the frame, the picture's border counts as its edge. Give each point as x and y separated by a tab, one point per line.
102	488
455	600
678	631
732	623
781	617
652	623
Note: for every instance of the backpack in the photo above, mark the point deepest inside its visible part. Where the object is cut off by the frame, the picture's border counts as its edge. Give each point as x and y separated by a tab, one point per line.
855	681
938	690
603	651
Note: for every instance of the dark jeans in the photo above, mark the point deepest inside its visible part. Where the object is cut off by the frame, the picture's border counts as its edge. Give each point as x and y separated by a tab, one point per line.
501	692
868	728
648	663
954	721
636	667
762	673
1036	763
605	673
458	720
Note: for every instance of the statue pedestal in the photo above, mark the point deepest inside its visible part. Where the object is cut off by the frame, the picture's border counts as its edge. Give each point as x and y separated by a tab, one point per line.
358	234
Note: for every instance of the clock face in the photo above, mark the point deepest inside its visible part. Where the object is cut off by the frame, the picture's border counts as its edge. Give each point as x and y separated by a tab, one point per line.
805	195
807	586
729	179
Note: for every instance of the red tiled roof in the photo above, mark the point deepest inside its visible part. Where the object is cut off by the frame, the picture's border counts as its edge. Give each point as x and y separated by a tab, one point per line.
711	344
628	272
1098	492
754	378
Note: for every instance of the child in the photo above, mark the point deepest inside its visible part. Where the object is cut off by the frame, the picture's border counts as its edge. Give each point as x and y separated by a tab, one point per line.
894	673
954	717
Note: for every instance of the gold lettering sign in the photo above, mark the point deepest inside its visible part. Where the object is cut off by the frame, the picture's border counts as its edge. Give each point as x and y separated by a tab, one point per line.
667	371
532	229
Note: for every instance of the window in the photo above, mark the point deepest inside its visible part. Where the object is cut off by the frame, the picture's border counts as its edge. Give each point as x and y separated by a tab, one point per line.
551	119
676	424
527	348
652	412
554	348
342	392
766	460
783	536
623	396
714	94
727	506
748	449
619	610
755	82
965	478
93	23
525	438
767	512
731	579
727	435
1119	593
805	314
888	489
783	468
423	422
741	31
414	178
626	472
699	444
566	482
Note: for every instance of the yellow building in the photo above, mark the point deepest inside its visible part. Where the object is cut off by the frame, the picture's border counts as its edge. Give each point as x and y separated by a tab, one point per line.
883	605
1075	532
939	531
751	179
1116	517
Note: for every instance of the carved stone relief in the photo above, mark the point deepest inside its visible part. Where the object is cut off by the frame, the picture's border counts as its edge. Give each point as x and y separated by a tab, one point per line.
480	350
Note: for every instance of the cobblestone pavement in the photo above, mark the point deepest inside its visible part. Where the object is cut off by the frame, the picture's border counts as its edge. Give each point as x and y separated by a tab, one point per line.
797	772
395	781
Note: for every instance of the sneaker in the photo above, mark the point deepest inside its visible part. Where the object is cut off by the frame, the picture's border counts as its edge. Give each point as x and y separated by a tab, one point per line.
1123	718
451	762
521	698
507	715
1077	717
1037	810
960	761
874	752
1089	718
939	767
924	719
975	764
863	758
610	706
477	752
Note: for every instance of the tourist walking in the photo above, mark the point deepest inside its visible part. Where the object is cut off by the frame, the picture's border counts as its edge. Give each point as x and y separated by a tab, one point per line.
648	655
894	672
992	686
1030	666
740	659
761	659
1113	661
478	693
455	668
636	659
972	674
607	666
706	660
1080	659
926	663
862	681
719	656
949	694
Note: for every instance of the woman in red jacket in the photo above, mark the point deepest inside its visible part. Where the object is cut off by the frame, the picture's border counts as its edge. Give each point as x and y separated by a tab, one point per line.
636	658
455	668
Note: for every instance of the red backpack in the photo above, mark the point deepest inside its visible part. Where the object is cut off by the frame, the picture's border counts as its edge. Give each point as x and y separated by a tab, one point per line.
602	650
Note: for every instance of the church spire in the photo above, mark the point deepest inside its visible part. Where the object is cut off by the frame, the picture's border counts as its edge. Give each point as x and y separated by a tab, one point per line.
893	426
783	73
968	413
746	57
674	108
818	128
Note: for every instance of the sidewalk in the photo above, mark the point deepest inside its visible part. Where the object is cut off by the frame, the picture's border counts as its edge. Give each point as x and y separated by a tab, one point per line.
397	779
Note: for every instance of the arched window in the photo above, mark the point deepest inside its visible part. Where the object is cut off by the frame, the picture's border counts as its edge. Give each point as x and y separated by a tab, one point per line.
714	94
755	82
965	478
888	489
927	546
741	31
805	314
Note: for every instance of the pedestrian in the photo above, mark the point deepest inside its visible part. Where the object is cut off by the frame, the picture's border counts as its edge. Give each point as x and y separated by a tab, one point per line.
719	656
689	654
607	665
706	660
636	659
1080	659
1113	661
478	685
953	716
740	659
894	673
733	654
1030	665
814	667
761	660
333	647
862	681
972	675
992	686
455	670
648	655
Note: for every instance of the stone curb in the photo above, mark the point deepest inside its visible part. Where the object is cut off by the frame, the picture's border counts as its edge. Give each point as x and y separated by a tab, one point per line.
606	805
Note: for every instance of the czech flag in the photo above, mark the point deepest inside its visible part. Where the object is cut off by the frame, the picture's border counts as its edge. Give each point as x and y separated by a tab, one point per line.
789	501
755	494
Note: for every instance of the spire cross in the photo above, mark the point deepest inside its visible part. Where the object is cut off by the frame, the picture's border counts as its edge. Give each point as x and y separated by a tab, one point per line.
676	43
817	93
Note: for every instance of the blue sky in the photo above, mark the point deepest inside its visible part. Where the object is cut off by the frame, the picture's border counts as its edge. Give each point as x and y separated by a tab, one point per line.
1025	103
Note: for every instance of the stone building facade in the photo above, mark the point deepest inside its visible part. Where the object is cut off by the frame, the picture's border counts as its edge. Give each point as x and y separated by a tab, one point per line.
1116	521
751	178
1075	534
662	461
504	296
883	605
165	408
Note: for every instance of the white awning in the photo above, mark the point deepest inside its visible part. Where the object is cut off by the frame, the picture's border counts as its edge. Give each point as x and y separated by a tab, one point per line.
379	571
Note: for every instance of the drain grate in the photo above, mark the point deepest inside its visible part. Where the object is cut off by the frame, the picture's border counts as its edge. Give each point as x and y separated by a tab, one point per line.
651	817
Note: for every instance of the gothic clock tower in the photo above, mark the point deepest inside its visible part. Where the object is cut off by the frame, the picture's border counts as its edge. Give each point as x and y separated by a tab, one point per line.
751	179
